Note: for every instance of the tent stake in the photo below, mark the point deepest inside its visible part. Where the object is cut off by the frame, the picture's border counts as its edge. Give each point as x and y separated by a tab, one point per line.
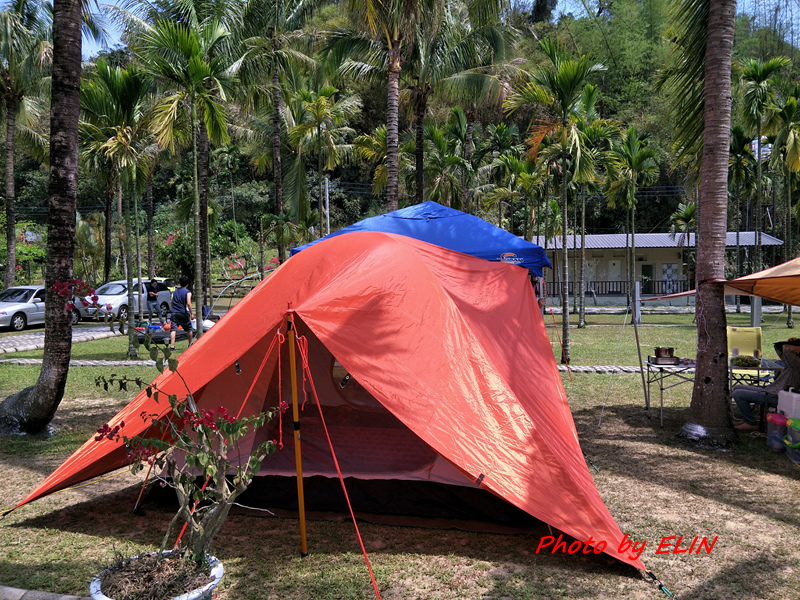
297	456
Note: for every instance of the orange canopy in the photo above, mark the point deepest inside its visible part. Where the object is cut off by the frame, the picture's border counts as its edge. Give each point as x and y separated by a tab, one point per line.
449	347
780	283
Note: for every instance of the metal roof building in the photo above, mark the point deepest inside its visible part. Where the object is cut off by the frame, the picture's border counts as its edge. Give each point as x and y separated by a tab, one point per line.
650	240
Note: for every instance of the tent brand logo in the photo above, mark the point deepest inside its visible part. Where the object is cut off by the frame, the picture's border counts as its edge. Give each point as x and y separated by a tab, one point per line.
510	257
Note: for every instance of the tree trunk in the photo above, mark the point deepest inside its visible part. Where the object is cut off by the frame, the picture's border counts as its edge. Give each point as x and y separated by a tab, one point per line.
319	183
419	150
197	294
564	262
632	283
709	411
758	217
233	207
151	250
627	261
107	235
123	253
788	239
133	352
277	173
138	251
738	218
392	139
470	114
11	228
202	173
33	408
582	312
575	256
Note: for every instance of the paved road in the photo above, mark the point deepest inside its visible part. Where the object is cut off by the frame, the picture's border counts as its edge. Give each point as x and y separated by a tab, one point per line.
34	340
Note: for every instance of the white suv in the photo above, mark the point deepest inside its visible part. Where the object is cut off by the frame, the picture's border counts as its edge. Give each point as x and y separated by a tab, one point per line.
112	298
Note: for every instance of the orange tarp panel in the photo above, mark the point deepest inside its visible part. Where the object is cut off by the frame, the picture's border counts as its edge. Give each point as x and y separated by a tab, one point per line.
780	283
453	346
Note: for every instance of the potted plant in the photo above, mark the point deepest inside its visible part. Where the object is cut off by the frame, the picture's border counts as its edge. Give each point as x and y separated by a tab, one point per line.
190	451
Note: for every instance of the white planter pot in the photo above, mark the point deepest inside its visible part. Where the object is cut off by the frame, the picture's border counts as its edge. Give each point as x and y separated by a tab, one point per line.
203	593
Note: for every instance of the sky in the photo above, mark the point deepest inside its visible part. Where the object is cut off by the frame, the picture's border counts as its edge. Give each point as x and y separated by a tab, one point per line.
90	47
753	7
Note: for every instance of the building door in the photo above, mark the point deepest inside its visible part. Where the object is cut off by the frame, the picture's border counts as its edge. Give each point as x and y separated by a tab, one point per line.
648	285
614	273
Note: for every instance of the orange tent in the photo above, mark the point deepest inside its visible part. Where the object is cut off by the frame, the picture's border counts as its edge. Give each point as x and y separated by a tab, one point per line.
430	365
780	283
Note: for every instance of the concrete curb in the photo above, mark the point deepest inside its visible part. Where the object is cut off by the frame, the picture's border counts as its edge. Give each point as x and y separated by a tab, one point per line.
27	342
23	362
9	593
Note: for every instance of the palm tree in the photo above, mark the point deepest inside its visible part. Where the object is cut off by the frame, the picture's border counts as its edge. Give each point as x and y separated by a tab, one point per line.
269	29
557	87
372	148
451	61
443	169
33	408
683	223
598	136
523	180
635	166
323	131
697	80
227	155
758	86
189	58
383	39
787	157
740	175
25	50
114	131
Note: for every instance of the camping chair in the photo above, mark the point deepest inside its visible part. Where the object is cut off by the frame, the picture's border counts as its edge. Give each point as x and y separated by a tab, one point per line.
748	342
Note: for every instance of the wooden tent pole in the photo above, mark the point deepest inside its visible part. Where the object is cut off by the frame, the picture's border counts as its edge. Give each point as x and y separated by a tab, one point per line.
297	455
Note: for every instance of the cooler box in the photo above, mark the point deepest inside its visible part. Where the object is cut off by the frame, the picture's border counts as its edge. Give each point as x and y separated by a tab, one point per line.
789	403
776	431
792	440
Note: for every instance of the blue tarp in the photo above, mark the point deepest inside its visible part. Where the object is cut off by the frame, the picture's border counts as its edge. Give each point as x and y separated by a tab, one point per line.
453	229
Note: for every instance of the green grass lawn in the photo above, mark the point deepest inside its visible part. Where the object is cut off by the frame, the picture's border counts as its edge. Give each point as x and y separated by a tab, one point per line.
654	484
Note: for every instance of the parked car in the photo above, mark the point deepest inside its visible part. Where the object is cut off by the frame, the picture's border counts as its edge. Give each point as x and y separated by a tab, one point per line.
21	306
112	298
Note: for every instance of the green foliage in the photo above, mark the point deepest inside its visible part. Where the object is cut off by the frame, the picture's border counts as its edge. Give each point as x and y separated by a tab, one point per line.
200	450
176	254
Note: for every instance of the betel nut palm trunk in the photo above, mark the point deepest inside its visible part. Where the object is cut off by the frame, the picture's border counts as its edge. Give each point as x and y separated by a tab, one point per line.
392	138
11	229
709	411
564	253
33	408
277	174
197	294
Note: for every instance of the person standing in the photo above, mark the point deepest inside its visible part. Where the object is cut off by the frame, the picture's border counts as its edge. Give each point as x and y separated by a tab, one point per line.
152	301
181	311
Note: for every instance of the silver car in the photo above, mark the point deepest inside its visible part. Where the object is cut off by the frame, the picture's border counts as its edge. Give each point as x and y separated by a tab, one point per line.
112	298
21	306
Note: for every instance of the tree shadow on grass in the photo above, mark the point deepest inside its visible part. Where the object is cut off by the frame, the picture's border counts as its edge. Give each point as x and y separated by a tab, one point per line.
759	576
404	558
629	444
